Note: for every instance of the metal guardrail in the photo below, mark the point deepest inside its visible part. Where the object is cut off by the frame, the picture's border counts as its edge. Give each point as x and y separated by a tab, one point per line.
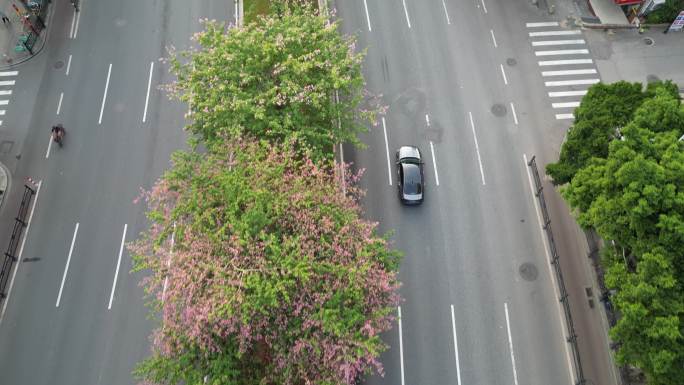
572	336
19	224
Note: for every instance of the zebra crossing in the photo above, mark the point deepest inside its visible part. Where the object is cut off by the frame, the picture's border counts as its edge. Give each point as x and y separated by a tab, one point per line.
565	65
6	83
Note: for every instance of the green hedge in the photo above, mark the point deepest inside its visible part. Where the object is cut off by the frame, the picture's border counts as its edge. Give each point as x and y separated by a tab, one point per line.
666	13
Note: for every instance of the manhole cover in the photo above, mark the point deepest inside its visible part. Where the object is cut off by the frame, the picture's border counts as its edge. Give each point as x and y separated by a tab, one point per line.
59	64
648	41
499	110
511	62
528	271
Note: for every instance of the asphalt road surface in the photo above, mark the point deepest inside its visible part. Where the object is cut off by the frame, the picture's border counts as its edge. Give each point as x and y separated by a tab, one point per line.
462	83
75	314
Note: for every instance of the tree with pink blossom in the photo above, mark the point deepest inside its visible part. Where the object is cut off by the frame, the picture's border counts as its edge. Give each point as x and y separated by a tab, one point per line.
272	277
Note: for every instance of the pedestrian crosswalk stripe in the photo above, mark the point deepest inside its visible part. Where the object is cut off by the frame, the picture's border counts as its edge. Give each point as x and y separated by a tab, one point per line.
556	33
5	92
571	82
565	116
559	94
557	42
565	62
2	112
9	73
569	72
7	83
4	102
565	104
563	52
542	24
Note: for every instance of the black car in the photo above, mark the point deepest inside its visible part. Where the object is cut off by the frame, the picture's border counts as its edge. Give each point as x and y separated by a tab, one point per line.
410	173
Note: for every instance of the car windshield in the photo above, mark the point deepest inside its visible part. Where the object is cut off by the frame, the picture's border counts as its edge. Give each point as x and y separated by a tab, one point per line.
412	184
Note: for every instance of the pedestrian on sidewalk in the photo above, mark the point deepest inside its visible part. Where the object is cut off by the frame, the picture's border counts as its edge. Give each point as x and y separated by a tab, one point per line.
5	19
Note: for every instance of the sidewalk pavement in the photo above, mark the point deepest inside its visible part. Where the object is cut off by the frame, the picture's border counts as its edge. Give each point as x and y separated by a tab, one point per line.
20	25
608	12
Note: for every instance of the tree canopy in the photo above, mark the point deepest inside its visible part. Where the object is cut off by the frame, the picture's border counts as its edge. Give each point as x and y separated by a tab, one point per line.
634	196
287	76
603	111
274	277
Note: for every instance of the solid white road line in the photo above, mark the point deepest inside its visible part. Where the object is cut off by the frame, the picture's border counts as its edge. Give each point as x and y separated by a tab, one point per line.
453	329
406	13
434	163
47	153
503	73
562	52
427	120
542	24
68	66
556	33
4	102
5	92
118	264
548	257
565	116
104	96
73	24
147	97
365	5
484	6
7	82
9	73
21	251
491	31
66	268
565	104
59	105
510	345
565	62
78	20
446	12
401	346
515	116
571	82
557	42
567	93
477	147
569	72
389	167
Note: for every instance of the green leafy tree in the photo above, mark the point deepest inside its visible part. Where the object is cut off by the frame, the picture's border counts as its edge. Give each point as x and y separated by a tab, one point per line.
604	110
635	196
289	75
274	277
651	324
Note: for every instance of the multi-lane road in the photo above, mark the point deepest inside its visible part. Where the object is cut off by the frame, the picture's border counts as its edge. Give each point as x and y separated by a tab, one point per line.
462	82
478	86
75	315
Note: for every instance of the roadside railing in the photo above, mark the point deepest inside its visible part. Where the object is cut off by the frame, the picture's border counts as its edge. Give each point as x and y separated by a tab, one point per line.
572	336
19	224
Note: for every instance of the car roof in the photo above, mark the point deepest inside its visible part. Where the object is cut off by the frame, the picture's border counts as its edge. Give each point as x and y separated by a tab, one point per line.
412	179
409	152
